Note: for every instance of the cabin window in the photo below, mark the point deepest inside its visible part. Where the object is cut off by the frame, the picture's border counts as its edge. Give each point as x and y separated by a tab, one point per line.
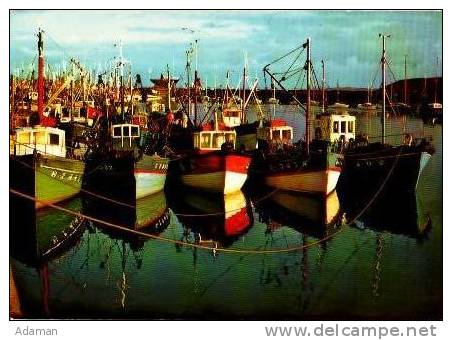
276	134
83	112
23	138
126	131
287	134
54	139
117	131
218	140
205	140
135	132
231	113
230	137
351	127
65	112
343	127
40	138
335	126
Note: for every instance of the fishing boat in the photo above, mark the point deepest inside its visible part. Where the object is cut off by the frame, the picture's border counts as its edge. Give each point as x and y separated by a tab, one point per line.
433	111
383	164
208	159
40	162
124	154
213	165
311	166
125	162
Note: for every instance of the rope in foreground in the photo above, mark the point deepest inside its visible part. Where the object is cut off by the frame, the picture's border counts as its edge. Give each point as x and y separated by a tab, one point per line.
182	243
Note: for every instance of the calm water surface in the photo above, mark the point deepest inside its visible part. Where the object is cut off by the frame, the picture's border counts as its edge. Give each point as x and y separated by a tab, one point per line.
384	266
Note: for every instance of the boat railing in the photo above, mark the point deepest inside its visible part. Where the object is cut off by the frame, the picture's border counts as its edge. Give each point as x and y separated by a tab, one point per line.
21	149
401	138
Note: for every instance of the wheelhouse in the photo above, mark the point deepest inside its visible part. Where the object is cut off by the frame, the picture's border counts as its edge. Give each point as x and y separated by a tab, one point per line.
125	136
335	127
277	131
79	114
213	140
231	117
45	140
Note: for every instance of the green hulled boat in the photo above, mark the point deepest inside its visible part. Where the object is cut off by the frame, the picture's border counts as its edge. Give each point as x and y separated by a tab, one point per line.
39	167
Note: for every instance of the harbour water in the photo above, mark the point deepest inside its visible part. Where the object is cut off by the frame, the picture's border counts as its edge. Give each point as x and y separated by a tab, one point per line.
254	255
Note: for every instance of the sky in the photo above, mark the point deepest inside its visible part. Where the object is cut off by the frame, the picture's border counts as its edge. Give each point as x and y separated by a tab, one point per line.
347	41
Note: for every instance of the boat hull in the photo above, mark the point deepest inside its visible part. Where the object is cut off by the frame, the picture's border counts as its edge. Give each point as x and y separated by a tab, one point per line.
150	175
216	172
316	173
398	168
307	181
50	179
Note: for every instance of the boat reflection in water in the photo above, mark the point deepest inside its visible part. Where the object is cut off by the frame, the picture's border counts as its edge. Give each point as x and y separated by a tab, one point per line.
37	237
313	215
126	250
215	220
149	214
391	210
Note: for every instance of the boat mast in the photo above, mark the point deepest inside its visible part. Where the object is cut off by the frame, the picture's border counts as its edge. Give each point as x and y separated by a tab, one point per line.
337	91
168	87
308	90
215	86
196	81
242	118
130	110
40	75
323	87
227	88
121	79
405	85
383	80
436	80
188	82
274	90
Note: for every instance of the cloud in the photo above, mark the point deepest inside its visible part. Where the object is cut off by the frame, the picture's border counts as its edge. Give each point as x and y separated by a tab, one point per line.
347	40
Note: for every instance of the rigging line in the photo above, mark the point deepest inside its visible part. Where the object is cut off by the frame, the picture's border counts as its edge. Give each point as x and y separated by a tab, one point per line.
372	83
287	54
296	70
298	81
293	62
392	73
316	81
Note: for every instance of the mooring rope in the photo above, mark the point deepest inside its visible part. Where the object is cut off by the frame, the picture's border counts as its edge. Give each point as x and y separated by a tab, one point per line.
226	250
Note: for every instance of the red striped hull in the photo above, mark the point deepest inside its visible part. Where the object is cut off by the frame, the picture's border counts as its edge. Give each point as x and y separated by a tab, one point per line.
216	172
